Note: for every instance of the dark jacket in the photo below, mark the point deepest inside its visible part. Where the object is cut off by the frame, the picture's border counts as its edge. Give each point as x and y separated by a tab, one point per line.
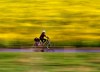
42	36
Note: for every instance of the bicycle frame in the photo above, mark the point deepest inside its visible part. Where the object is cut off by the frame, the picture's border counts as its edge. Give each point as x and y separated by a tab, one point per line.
47	43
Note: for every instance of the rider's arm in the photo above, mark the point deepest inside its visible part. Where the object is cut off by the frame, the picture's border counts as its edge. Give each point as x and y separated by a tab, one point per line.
47	37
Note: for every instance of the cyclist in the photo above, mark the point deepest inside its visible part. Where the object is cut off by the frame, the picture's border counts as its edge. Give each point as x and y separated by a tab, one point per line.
42	36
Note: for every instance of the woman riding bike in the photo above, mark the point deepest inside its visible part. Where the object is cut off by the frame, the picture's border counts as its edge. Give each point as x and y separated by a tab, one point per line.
41	41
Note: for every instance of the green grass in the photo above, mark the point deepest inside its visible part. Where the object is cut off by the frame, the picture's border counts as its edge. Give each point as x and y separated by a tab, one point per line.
49	62
68	21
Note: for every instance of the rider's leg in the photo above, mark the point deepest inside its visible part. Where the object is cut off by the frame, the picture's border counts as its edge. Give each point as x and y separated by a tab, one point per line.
43	40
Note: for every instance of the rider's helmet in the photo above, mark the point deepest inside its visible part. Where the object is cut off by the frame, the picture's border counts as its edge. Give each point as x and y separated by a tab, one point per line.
44	31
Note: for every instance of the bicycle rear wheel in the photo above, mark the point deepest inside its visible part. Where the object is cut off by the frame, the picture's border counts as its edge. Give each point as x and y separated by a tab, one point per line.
37	47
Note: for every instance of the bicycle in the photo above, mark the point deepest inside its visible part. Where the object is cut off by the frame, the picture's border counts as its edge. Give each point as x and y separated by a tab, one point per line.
43	47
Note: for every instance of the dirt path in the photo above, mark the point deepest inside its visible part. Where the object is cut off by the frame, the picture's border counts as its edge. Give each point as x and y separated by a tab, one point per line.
55	50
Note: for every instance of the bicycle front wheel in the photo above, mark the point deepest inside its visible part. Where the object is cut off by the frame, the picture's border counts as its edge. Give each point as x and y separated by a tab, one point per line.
49	50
